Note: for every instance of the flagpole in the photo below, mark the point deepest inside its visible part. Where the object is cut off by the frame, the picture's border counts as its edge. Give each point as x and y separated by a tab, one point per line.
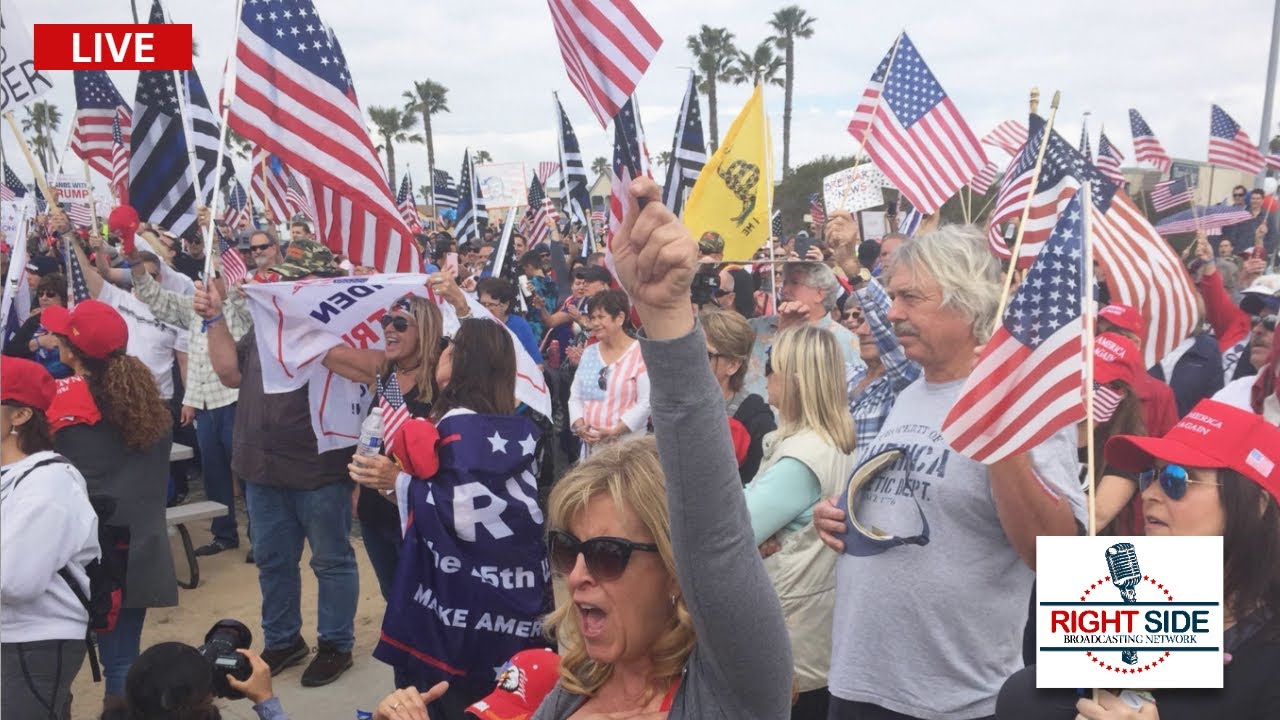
1087	311
884	82
66	148
1031	195
228	93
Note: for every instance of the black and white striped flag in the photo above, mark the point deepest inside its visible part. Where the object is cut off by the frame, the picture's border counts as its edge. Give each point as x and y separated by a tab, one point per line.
688	152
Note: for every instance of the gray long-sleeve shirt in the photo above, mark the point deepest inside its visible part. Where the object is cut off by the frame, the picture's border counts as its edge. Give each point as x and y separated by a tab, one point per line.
740	667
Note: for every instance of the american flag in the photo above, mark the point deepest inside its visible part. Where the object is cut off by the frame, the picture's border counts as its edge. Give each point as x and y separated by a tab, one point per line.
775	224
1035	356
573	176
1142	270
119	158
1009	136
688	152
817	212
1172	193
546	169
1085	150
92	134
405	202
1146	148
294	96
1109	159
79	213
917	136
160	186
469	221
269	184
12	189
607	46
1231	146
599	216
1105	402
981	182
1203	218
1273	161
297	198
908	220
535	217
77	289
630	161
237	210
394	410
446	193
233	267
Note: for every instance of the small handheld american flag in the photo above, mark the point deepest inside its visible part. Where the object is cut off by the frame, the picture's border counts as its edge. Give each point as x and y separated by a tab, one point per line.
233	266
1146	148
394	409
1231	146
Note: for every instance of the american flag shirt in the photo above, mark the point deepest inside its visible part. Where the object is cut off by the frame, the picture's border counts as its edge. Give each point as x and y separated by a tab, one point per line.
625	398
870	405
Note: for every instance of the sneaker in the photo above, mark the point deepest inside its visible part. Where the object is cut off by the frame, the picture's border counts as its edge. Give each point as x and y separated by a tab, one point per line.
214	548
280	658
327	666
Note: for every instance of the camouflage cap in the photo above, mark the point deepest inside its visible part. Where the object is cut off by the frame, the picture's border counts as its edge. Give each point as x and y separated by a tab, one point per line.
711	243
306	257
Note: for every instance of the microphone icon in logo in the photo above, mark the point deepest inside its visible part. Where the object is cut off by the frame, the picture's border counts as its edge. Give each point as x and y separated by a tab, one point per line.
1122	564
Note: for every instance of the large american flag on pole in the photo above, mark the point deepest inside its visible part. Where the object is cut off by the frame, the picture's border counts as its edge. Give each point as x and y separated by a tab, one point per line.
1109	159
917	136
1231	146
1035	355
1057	183
607	46
294	96
119	158
98	103
268	184
1146	148
630	161
688	151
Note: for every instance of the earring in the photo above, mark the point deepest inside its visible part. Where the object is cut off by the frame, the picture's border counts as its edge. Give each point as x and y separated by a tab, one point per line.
673	601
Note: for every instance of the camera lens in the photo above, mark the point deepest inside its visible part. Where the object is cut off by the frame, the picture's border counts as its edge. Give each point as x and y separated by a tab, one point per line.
219	650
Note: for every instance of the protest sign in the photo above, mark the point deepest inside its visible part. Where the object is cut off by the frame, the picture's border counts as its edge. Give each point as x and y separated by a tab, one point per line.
503	185
854	189
20	82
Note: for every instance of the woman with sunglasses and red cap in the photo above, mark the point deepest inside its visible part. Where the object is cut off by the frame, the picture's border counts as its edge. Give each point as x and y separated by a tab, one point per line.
412	330
34	342
110	422
1217	472
49	535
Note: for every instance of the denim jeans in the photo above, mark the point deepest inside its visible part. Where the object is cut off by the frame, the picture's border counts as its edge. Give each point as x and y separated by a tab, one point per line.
282	519
119	648
213	434
382	544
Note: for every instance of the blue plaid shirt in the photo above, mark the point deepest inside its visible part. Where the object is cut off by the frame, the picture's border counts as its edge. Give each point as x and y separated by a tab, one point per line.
871	405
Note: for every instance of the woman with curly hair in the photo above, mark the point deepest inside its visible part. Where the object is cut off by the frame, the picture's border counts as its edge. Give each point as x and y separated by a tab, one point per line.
109	421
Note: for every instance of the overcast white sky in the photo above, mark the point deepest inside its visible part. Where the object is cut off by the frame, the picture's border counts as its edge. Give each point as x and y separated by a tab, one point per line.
500	61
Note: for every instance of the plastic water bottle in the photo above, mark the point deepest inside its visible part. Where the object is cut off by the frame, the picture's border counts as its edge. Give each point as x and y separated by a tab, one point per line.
370	442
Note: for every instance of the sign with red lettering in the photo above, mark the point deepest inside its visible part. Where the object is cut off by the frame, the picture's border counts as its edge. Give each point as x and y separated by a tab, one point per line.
113	47
20	82
1129	612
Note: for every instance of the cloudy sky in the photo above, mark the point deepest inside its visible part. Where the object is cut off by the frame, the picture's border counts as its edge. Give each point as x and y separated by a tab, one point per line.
500	61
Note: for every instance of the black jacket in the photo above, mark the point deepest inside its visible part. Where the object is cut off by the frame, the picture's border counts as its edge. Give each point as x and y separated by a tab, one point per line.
757	417
1197	374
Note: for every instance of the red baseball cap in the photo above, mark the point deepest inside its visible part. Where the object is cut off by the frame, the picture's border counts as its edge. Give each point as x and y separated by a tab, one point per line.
26	382
1212	435
95	328
1123	317
1115	357
526	679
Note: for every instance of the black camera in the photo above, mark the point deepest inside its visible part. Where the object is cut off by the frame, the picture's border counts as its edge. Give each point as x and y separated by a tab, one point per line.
219	650
705	284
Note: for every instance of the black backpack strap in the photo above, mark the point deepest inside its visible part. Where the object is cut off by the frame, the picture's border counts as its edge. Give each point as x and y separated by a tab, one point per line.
90	646
56	459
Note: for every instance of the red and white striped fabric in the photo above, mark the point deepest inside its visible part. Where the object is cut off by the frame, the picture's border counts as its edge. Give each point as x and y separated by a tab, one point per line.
120	157
98	103
1273	161
981	182
267	187
626	389
546	169
1009	136
80	214
1231	146
607	46
1105	402
298	199
297	101
598	216
1108	162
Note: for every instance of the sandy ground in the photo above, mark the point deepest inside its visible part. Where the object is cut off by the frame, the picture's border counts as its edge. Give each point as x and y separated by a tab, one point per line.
229	589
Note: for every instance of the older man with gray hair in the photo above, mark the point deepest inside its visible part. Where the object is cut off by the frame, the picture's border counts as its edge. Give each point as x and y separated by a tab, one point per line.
932	629
809	294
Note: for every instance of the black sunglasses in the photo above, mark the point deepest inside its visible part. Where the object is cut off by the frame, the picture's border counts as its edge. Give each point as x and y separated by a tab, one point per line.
1173	481
606	557
398	322
603	380
1268	322
50	293
259	248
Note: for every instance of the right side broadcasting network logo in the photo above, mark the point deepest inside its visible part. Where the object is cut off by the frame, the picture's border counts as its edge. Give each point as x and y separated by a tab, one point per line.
1129	612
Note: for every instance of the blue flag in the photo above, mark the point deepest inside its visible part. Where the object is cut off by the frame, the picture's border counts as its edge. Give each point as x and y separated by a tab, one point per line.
471	586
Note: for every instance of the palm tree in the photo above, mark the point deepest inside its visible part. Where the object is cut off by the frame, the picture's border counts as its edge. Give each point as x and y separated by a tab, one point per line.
663	159
482	157
600	166
755	68
789	23
713	53
427	98
394	125
41	124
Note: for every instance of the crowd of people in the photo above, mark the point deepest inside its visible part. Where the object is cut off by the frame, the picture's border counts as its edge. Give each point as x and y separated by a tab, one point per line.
776	531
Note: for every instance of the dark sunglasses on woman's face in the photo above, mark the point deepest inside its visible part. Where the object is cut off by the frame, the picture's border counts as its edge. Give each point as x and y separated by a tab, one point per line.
49	293
1173	481
399	322
606	557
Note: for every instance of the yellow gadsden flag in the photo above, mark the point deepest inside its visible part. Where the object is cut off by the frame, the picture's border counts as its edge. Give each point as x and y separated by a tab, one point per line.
735	189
